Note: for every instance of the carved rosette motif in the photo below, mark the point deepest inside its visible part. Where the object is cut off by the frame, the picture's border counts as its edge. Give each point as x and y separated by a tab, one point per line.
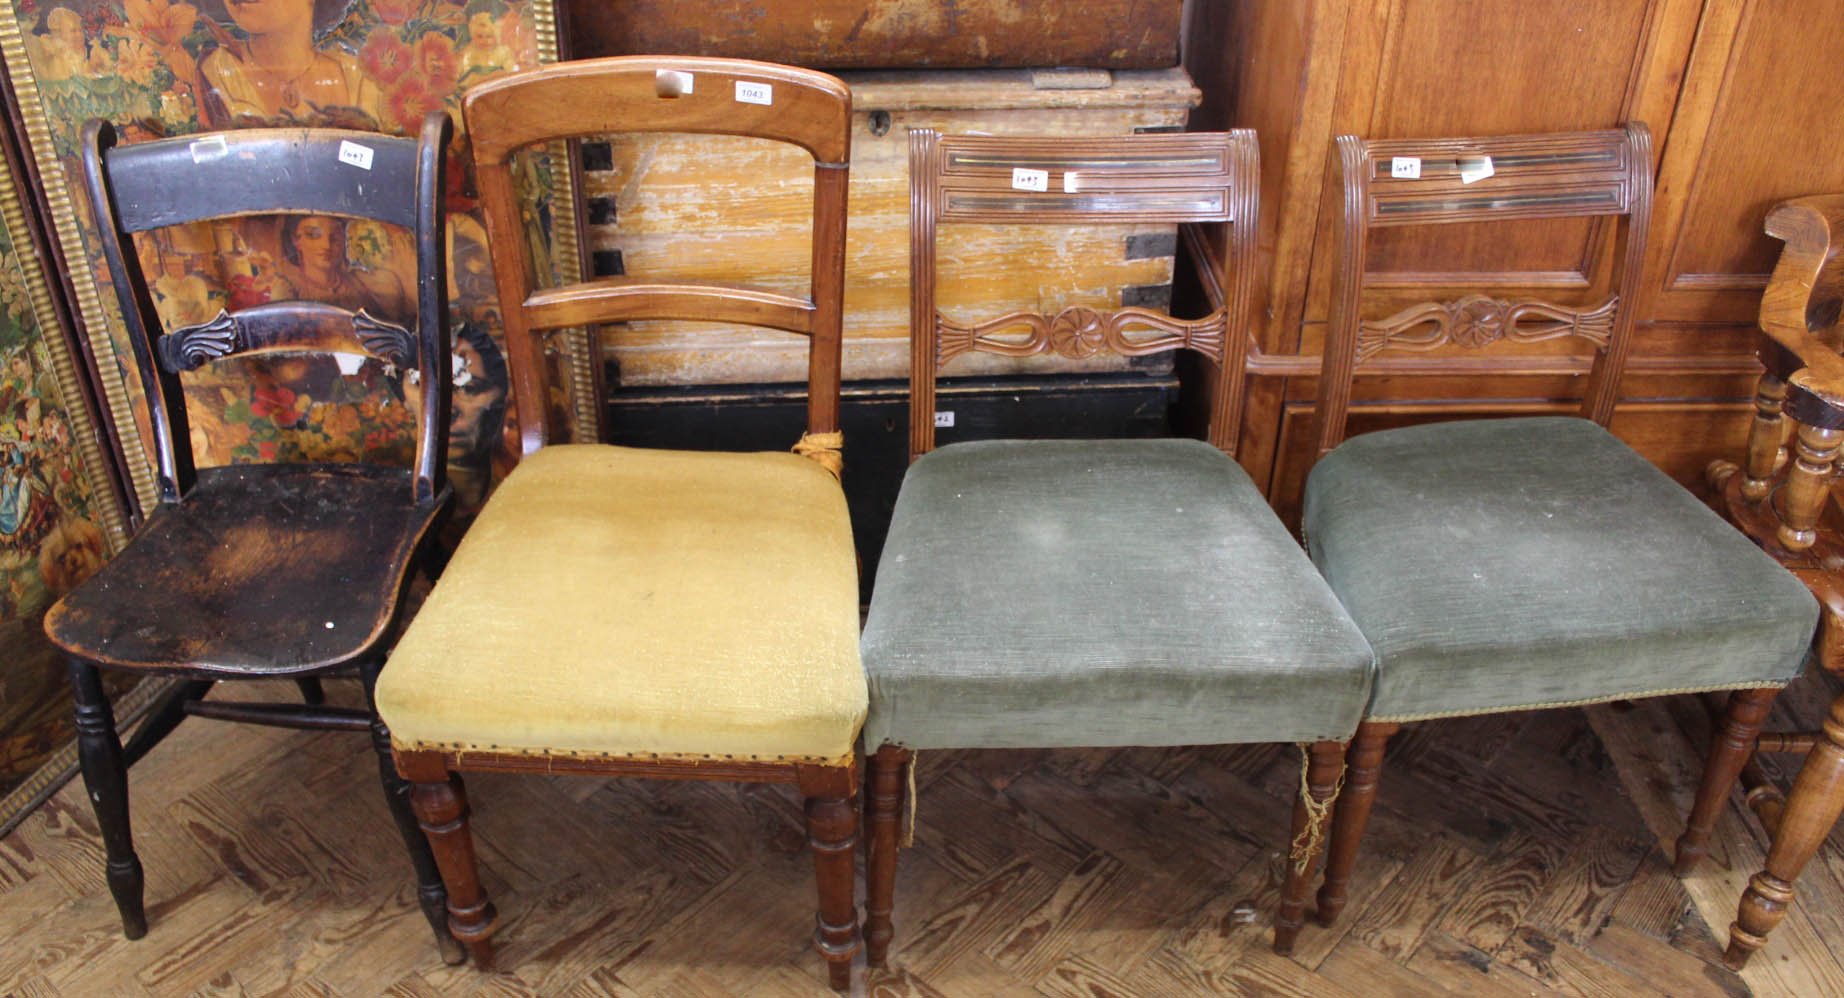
1477	320
1078	333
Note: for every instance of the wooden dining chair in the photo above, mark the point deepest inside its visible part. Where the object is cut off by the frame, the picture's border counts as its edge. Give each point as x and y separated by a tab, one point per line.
641	612
1060	593
1533	562
1781	500
285	570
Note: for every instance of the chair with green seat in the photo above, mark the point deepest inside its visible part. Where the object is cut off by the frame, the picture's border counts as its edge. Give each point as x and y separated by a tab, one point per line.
637	612
1522	563
1065	593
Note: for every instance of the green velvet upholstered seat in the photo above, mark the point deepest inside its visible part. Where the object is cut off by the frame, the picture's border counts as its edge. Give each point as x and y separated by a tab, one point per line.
1517	563
1100	592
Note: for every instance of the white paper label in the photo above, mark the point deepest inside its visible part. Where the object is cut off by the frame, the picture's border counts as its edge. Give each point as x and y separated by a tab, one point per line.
353	154
1405	167
1070	184
944	418
755	93
1030	180
683	81
208	148
1474	168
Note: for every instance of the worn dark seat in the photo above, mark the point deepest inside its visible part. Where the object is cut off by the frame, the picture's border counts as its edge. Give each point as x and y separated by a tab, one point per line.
1059	593
259	571
1521	563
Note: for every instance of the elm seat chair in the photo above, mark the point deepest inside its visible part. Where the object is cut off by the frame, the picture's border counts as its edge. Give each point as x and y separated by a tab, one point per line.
1522	563
1060	593
259	571
622	611
1778	499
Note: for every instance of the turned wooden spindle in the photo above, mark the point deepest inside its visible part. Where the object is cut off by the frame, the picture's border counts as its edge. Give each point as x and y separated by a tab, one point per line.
1363	765
1766	436
1812	808
832	834
1807	482
884	819
1325	765
441	810
1729	750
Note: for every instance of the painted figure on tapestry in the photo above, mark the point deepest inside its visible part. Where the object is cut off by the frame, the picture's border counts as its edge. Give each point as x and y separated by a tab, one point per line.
49	541
277	70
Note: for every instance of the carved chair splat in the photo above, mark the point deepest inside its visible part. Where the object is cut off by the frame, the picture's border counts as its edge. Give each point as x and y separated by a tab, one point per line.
971	642
259	571
638	612
1515	564
1779	497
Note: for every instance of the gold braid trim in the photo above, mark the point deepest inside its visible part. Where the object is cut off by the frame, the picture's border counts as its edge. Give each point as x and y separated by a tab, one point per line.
1306	844
824	448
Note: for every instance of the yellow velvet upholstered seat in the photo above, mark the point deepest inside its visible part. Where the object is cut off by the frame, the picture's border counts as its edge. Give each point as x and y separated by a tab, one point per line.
615	601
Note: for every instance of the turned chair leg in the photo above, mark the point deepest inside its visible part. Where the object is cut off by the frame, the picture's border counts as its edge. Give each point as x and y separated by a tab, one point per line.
105	777
888	767
429	890
440	802
1325	766
1363	766
1812	808
1729	751
832	833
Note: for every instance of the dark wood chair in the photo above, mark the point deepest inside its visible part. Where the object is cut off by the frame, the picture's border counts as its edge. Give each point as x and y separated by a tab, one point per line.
1779	499
1522	563
642	612
259	571
1064	593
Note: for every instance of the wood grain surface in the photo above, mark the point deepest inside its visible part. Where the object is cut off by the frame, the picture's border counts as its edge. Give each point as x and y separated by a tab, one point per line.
1505	857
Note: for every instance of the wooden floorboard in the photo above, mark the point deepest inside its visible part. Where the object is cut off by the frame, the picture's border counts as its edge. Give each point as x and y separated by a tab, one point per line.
1517	854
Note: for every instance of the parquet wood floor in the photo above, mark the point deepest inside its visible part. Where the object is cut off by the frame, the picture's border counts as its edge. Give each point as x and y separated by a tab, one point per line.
1518	854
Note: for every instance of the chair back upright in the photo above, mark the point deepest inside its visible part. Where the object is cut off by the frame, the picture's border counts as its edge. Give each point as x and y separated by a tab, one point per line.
630	94
1190	179
196	178
1402	182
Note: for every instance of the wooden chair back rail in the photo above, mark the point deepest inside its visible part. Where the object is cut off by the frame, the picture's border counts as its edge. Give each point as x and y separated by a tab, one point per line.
649	94
624	299
1576	175
1080	332
270	171
259	171
1188	179
291	326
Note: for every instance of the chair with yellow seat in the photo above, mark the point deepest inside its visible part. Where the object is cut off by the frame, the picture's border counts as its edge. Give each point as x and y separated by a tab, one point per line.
638	612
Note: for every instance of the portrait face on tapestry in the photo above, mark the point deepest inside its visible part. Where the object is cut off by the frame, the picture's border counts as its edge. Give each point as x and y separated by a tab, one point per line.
157	67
